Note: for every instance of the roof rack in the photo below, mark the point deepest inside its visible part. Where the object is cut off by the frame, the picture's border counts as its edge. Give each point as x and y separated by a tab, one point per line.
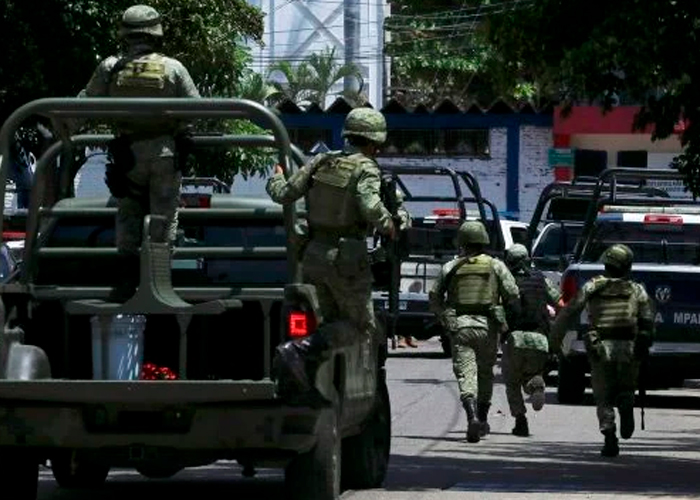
466	191
64	111
584	189
608	190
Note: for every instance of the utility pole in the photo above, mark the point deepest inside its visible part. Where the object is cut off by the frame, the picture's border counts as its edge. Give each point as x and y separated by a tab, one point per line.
351	34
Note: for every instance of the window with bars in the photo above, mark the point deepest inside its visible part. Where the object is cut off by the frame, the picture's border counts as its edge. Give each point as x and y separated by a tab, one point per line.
437	142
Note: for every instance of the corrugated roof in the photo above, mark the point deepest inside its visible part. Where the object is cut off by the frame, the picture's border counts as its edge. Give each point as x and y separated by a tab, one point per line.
446	106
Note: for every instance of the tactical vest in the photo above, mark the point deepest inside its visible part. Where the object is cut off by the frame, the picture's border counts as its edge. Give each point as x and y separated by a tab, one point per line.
333	208
612	309
472	287
533	302
144	76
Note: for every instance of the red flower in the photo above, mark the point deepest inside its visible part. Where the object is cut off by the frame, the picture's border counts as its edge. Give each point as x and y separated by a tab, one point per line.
151	371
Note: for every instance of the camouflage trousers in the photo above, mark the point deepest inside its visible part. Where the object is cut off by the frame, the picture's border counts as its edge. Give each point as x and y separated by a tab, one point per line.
612	382
474	353
155	172
340	295
519	366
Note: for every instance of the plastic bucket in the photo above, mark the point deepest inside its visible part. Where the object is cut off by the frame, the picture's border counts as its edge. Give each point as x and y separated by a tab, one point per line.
117	346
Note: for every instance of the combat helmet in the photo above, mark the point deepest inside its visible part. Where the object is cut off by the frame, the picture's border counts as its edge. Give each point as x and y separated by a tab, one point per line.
367	123
517	256
472	232
618	256
141	19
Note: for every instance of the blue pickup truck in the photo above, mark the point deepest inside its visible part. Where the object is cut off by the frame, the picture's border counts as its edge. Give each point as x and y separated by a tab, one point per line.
664	234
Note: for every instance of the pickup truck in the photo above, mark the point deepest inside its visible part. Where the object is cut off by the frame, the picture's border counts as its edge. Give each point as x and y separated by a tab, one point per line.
431	240
216	306
556	224
663	232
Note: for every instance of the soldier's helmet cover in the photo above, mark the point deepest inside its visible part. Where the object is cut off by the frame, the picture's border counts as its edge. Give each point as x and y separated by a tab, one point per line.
517	256
472	232
141	19
367	123
618	256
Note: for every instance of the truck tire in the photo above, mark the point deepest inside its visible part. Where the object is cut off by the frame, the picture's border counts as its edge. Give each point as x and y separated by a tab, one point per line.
19	474
366	455
572	381
71	470
315	474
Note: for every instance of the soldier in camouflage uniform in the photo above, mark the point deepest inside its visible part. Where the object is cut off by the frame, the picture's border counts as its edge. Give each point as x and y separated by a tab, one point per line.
471	297
153	181
621	331
344	204
526	348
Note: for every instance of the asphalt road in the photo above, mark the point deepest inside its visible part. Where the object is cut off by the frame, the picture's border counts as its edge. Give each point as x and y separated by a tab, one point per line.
431	459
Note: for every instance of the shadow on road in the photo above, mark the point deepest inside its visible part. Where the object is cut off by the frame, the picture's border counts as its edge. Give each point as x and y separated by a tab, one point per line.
552	466
214	482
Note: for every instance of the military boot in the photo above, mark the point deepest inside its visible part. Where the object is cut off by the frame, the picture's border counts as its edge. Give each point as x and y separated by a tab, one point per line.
473	425
483	416
625	405
611	447
128	274
521	428
535	387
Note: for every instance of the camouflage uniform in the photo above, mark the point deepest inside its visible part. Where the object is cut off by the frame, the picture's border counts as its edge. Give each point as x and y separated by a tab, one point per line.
468	297
526	348
142	72
621	330
343	195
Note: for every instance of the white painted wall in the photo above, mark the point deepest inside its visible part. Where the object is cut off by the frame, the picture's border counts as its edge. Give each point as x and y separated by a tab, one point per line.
535	172
297	28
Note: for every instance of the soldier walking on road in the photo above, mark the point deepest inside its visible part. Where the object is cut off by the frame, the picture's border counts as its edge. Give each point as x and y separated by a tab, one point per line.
471	297
525	347
620	334
143	173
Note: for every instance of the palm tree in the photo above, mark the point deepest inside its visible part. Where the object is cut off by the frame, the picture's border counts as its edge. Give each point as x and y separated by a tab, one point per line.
255	87
314	77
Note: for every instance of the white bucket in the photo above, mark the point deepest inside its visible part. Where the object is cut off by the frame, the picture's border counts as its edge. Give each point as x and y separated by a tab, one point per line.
117	346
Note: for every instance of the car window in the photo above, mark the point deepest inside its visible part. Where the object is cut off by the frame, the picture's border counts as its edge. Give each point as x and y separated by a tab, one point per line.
557	240
518	234
651	243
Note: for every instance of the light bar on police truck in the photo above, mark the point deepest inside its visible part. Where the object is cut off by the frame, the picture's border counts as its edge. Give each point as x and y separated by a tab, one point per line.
682	209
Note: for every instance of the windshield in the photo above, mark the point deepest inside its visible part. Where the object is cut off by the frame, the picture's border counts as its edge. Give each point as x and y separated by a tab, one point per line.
558	240
651	243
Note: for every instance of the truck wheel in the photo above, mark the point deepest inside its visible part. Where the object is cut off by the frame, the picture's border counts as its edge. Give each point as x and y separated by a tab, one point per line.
446	345
154	471
71	470
316	473
572	382
366	455
19	474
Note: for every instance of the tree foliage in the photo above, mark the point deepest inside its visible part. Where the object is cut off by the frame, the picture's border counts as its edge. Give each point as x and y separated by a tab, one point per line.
51	47
313	78
604	50
439	50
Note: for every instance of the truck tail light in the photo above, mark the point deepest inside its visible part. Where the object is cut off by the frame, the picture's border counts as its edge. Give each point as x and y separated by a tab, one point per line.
569	288
663	219
301	324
